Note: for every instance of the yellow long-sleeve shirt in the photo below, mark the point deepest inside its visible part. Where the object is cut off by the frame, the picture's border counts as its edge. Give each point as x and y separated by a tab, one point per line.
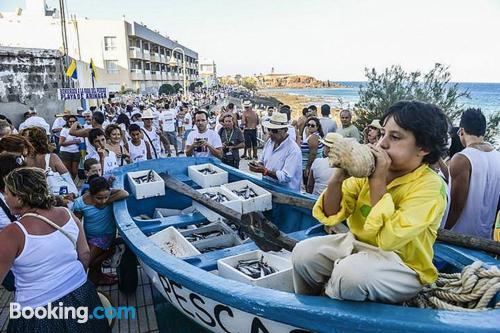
405	220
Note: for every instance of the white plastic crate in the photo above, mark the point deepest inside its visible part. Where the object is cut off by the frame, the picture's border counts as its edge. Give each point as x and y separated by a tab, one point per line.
227	239
146	190
282	279
263	201
234	203
171	241
210	180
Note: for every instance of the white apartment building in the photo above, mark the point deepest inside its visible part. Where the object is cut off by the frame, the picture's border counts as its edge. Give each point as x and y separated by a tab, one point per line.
208	72
127	55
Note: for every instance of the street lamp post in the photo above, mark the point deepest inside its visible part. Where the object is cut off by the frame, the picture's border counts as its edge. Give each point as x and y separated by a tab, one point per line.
173	63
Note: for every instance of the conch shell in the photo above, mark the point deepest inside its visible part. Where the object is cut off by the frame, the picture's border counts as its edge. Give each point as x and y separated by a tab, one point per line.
348	154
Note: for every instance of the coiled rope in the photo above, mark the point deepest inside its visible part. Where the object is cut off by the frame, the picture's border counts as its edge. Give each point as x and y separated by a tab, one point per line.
470	290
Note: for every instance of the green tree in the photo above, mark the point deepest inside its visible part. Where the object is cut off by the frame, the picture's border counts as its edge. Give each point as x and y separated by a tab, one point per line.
395	84
166	89
177	87
249	83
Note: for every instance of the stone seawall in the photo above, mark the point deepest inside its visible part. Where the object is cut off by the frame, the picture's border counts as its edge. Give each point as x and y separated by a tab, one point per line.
30	77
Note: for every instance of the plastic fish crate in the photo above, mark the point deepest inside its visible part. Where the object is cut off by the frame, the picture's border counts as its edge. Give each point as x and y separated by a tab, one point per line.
171	241
280	280
262	202
210	180
234	203
228	239
146	190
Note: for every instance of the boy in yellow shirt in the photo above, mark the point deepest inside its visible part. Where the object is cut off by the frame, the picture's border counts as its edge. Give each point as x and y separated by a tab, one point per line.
393	216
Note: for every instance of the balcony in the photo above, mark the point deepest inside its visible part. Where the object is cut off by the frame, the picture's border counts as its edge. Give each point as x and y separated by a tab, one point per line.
163	59
147	75
134	52
146	55
155	57
156	76
136	74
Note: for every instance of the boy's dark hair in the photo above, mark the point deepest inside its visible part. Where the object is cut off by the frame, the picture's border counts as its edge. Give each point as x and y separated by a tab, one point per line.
456	145
97	184
201	112
9	162
94	133
473	122
313	107
133	128
305	111
89	163
123	119
325	110
426	121
230	106
286	110
98	117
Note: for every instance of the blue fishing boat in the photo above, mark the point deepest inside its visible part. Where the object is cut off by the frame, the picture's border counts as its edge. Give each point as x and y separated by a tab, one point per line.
192	285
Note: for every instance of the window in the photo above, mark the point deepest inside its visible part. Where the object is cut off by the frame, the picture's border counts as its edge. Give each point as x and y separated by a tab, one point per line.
109	43
111	66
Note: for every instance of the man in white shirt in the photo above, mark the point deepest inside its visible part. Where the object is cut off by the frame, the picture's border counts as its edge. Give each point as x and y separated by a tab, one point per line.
35	121
203	142
167	123
153	135
188	124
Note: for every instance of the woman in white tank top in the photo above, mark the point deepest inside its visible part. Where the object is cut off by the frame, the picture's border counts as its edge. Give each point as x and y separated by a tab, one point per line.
48	254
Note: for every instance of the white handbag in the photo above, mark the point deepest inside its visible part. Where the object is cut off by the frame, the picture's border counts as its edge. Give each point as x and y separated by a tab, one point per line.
56	181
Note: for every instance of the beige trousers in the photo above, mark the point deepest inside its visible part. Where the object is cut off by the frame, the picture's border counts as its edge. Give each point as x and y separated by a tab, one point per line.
351	270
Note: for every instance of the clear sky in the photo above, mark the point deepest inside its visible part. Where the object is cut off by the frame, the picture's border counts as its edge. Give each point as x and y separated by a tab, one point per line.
329	39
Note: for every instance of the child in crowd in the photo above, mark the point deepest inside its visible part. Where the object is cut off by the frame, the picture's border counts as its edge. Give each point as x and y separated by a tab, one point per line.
139	149
393	216
95	206
91	167
107	158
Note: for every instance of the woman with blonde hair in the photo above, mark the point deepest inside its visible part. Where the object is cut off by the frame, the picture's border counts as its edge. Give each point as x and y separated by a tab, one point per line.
48	254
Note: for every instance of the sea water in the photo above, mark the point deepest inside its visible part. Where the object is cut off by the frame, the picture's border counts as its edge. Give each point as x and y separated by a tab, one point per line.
483	95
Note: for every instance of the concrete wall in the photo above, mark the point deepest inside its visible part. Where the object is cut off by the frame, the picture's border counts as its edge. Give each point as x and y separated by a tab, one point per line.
30	77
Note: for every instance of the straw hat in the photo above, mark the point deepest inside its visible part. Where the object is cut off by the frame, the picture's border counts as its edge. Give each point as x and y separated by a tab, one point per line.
375	124
247	104
147	114
66	113
277	120
329	139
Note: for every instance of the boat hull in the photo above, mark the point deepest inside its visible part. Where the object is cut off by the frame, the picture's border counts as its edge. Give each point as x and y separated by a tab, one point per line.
209	299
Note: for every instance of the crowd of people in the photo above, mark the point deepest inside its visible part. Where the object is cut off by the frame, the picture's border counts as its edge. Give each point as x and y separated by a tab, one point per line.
392	215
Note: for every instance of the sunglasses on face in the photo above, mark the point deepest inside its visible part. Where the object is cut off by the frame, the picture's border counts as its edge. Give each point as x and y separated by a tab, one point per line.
311	125
275	130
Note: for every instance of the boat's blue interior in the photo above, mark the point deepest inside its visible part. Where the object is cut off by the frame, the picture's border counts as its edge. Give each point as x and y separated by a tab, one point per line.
295	221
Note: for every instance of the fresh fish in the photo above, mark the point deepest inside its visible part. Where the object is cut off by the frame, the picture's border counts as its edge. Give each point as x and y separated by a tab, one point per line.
255	268
246	193
207	171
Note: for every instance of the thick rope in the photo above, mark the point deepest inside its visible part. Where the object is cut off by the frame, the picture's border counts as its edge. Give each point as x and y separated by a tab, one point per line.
470	290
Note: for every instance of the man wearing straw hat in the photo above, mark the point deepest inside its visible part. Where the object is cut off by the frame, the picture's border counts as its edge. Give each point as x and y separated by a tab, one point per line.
281	159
